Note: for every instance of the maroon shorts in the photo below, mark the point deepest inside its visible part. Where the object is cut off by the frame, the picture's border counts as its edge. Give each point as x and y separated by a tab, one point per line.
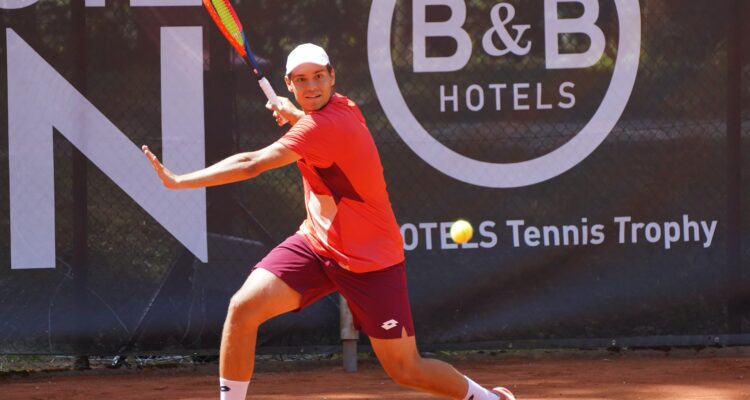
379	300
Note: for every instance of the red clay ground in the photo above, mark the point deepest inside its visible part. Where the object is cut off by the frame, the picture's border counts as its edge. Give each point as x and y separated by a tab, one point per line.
678	375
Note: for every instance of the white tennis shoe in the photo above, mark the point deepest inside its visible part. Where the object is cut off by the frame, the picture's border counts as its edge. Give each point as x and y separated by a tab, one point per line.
504	393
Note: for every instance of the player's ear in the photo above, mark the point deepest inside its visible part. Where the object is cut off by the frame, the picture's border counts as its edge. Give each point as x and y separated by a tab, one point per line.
289	85
333	76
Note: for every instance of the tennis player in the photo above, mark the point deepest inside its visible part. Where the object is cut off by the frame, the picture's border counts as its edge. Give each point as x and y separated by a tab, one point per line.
349	242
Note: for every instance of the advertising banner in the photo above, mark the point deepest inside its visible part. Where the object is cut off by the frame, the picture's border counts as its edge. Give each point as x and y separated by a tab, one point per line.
596	146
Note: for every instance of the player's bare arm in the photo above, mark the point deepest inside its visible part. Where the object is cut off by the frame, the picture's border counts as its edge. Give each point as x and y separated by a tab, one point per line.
238	167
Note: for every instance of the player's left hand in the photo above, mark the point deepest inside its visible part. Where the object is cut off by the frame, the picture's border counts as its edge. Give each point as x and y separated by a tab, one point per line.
168	178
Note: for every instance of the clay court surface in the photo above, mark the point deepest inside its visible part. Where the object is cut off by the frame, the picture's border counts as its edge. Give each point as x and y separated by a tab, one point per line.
581	375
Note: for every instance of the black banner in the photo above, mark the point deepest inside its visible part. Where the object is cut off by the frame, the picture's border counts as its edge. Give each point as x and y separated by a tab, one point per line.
595	145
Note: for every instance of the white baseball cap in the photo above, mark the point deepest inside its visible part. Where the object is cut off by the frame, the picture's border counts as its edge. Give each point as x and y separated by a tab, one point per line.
306	53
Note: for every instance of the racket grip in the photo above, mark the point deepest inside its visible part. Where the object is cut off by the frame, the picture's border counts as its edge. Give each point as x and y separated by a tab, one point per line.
265	86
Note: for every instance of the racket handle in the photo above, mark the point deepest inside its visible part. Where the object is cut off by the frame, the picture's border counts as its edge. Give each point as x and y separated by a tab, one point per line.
265	86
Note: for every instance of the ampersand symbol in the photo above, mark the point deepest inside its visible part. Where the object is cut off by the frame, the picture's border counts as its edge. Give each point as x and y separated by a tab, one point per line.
512	44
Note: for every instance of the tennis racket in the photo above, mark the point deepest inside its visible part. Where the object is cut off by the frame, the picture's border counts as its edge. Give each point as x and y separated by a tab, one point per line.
223	14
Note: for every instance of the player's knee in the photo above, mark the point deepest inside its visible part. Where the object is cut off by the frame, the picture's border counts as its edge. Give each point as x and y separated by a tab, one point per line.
245	311
404	372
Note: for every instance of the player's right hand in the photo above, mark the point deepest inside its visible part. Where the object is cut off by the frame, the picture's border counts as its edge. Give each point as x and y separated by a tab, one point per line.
168	178
286	112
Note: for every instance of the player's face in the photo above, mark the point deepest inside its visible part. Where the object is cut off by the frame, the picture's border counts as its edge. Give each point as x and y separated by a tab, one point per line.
312	85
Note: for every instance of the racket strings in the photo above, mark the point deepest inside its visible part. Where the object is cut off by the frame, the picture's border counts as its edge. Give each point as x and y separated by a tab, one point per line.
228	22
226	19
229	19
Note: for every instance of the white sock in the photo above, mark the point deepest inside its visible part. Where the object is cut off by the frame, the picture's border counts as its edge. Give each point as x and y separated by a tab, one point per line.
232	390
477	392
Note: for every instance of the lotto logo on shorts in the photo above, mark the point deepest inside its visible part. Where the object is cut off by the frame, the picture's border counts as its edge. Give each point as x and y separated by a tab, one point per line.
390	324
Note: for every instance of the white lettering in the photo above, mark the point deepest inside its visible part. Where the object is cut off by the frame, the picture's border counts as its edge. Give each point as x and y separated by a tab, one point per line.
568	95
452	28
446	243
621	223
515	224
480	172
531	236
518	96
498	87
445	98
568	231
540	105
689	226
472	91
671	234
709	231
427	227
475	94
585	24
554	235
584	231
39	99
597	234
407	231
416	235
653	232
551	235
485	230
635	227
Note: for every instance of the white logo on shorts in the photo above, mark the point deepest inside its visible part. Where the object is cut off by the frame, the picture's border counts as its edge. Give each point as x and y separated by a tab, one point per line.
390	324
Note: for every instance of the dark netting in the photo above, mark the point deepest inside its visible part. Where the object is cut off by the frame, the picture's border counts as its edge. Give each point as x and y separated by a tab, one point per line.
138	289
670	137
744	283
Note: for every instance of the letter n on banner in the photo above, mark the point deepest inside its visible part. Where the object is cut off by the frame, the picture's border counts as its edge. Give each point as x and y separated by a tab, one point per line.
40	99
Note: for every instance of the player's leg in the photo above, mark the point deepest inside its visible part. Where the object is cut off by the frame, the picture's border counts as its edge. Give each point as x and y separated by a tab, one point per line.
403	363
287	279
380	304
262	296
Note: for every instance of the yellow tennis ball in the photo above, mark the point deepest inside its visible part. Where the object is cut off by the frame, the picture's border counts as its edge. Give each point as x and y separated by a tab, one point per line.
461	231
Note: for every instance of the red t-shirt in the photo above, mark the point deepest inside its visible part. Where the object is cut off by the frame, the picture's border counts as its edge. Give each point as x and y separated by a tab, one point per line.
349	214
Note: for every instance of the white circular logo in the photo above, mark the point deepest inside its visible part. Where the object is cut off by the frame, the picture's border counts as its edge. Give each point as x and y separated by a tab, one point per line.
503	175
15	4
